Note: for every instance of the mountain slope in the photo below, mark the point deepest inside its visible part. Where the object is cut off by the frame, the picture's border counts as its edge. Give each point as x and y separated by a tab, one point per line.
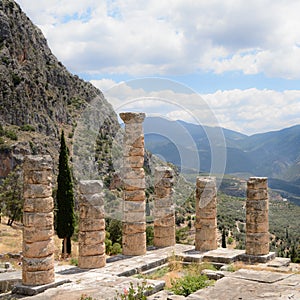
273	154
38	96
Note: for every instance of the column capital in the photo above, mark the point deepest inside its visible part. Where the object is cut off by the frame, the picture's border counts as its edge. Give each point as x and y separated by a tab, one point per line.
132	117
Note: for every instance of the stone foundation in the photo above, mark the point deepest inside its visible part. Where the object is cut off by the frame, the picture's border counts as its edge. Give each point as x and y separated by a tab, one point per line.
91	236
38	245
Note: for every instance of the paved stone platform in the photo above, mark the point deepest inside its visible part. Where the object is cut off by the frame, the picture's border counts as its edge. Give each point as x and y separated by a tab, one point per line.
104	283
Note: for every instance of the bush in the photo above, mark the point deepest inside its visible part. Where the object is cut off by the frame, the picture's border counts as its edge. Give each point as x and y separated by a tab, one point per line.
116	249
189	284
11	135
27	127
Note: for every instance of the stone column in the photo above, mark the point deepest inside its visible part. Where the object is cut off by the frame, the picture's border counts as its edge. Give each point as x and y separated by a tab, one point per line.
91	236
38	245
206	214
164	215
257	221
134	219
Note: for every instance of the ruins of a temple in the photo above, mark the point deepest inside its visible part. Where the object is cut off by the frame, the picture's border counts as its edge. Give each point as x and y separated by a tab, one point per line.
38	247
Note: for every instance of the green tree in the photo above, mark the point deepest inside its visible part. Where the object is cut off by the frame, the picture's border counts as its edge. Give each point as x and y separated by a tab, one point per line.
223	238
11	195
65	217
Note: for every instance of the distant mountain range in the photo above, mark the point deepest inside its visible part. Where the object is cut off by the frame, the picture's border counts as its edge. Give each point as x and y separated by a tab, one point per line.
273	154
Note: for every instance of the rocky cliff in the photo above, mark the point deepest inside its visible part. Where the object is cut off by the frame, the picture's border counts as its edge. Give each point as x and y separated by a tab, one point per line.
38	96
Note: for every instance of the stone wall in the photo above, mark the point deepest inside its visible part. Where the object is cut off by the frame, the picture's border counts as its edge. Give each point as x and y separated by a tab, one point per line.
38	245
257	220
133	175
91	236
206	214
164	213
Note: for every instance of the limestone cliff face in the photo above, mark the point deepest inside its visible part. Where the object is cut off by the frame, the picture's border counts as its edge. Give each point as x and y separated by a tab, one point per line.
36	91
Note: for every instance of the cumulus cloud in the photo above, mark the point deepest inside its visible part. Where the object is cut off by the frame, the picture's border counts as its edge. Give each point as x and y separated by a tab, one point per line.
178	37
247	111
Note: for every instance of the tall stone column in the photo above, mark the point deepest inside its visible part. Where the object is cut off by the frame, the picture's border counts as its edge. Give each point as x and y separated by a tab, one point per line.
206	214
257	220
38	245
134	219
164	215
91	236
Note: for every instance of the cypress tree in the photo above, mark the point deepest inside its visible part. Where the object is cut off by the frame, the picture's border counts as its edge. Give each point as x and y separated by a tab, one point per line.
223	238
65	218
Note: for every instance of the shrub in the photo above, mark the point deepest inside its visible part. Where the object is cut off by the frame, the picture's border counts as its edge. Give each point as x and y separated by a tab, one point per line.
27	127
11	135
189	284
134	294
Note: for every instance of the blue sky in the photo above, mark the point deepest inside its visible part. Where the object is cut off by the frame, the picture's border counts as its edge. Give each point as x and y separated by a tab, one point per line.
240	57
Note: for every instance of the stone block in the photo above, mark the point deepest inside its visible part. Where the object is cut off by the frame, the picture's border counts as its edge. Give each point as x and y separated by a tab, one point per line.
38	264
207	213
163	192
90	186
38	249
160	212
164	242
259	194
88	211
38	220
133	228
164	182
256	248
205	197
37	234
133	216
133	151
258	238
136	195
163	172
163	202
164	232
257	183
134	244
132	117
134	206
91	237
91	250
37	162
132	173
168	221
37	190
205	245
92	262
257	217
134	184
96	199
206	182
257	227
38	176
257	205
134	140
38	277
133	161
206	234
91	224
205	223
38	205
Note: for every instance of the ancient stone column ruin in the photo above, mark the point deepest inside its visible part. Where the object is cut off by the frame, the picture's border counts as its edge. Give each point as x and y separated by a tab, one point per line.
38	245
257	221
133	175
206	214
164	214
91	236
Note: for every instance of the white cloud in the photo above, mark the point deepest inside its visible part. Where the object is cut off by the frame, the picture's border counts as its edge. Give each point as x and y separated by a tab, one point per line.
160	37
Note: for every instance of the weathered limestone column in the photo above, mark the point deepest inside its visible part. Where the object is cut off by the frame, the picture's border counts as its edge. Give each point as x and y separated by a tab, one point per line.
206	214
257	220
91	236
164	213
134	219
38	245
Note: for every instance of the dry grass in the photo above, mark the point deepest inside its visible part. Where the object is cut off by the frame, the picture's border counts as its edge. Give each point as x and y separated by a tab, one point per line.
11	242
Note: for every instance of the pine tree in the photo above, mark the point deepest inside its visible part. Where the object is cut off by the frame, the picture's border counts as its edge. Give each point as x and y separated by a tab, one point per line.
65	217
